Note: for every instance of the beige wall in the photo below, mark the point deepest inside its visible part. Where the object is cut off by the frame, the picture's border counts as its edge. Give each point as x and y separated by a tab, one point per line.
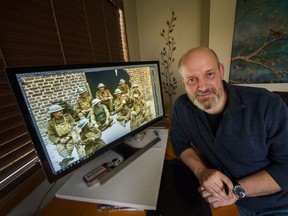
149	20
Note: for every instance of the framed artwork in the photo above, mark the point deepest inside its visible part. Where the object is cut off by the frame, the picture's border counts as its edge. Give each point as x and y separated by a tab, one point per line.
260	42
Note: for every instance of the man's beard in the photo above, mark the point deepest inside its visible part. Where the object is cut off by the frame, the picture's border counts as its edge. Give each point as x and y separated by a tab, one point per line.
209	103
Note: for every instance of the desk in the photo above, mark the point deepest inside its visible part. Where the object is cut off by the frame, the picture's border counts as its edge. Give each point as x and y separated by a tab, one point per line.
68	207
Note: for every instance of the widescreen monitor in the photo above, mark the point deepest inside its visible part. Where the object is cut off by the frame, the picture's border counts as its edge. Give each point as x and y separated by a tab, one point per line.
75	113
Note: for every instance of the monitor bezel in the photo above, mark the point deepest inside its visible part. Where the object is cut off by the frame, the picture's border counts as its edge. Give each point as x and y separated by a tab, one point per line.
12	73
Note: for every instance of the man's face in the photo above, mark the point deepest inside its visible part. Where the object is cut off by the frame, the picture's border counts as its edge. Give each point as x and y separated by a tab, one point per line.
58	114
202	79
101	89
83	95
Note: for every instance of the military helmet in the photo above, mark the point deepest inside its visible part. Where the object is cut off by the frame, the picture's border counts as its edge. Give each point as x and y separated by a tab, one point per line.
54	108
117	91
122	81
133	113
135	85
81	90
95	101
82	123
100	85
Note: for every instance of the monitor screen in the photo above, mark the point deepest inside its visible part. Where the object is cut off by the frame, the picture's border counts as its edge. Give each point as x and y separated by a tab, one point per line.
75	113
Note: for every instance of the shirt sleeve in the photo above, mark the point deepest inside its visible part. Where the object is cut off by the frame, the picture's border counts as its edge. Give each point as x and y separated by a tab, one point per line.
277	140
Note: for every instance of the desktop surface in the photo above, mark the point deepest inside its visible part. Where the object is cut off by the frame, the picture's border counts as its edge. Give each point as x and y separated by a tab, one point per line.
136	185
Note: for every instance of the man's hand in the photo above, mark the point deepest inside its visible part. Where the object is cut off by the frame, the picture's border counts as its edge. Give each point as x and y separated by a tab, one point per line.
212	185
216	202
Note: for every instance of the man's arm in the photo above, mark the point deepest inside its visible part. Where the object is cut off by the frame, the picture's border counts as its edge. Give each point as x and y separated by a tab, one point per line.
211	180
259	184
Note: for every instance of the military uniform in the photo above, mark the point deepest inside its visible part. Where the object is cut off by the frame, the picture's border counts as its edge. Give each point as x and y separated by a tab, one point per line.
91	139
134	123
83	104
121	108
106	98
142	110
100	116
59	129
124	89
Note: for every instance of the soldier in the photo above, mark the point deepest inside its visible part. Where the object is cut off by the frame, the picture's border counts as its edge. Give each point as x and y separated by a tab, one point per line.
121	107
59	132
105	96
100	115
134	121
123	87
142	109
135	90
83	103
90	136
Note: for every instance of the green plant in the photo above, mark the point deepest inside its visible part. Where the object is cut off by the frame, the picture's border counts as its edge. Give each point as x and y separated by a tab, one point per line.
169	84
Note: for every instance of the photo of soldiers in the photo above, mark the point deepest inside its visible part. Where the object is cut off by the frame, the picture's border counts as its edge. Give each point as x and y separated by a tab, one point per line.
83	104
121	107
141	108
90	136
59	132
105	96
135	90
99	115
134	121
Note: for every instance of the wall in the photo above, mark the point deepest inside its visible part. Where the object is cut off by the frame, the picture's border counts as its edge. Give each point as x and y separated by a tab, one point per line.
151	18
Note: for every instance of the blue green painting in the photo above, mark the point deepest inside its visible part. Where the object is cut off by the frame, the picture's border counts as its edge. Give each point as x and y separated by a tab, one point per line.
260	42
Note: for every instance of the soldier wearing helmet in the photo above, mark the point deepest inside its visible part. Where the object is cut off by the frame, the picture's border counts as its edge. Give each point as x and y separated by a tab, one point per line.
105	96
99	115
59	132
123	87
90	136
141	108
134	121
121	107
135	90
83	104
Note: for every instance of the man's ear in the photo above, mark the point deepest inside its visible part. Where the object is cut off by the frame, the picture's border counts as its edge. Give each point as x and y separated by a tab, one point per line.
221	68
182	82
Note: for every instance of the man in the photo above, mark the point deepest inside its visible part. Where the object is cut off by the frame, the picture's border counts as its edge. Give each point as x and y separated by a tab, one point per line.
59	133
83	104
135	90
100	115
105	96
134	121
90	136
233	138
123	87
121	107
142	109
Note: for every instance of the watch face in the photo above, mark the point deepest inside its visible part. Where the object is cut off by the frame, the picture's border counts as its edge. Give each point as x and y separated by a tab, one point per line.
239	192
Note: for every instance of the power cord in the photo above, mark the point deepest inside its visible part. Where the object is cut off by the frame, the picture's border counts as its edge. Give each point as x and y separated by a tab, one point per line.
40	204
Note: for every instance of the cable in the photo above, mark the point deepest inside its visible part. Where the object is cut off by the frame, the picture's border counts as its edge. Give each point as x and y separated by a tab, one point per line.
40	204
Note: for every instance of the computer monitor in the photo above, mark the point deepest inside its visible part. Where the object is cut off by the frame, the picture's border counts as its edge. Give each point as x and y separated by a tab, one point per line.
75	113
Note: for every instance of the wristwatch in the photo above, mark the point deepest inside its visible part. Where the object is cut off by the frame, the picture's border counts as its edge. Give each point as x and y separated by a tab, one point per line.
238	190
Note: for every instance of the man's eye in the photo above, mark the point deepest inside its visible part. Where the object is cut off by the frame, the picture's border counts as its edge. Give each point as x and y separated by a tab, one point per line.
210	74
192	81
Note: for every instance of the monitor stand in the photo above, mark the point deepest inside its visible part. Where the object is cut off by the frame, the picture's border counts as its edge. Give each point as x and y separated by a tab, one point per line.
130	150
